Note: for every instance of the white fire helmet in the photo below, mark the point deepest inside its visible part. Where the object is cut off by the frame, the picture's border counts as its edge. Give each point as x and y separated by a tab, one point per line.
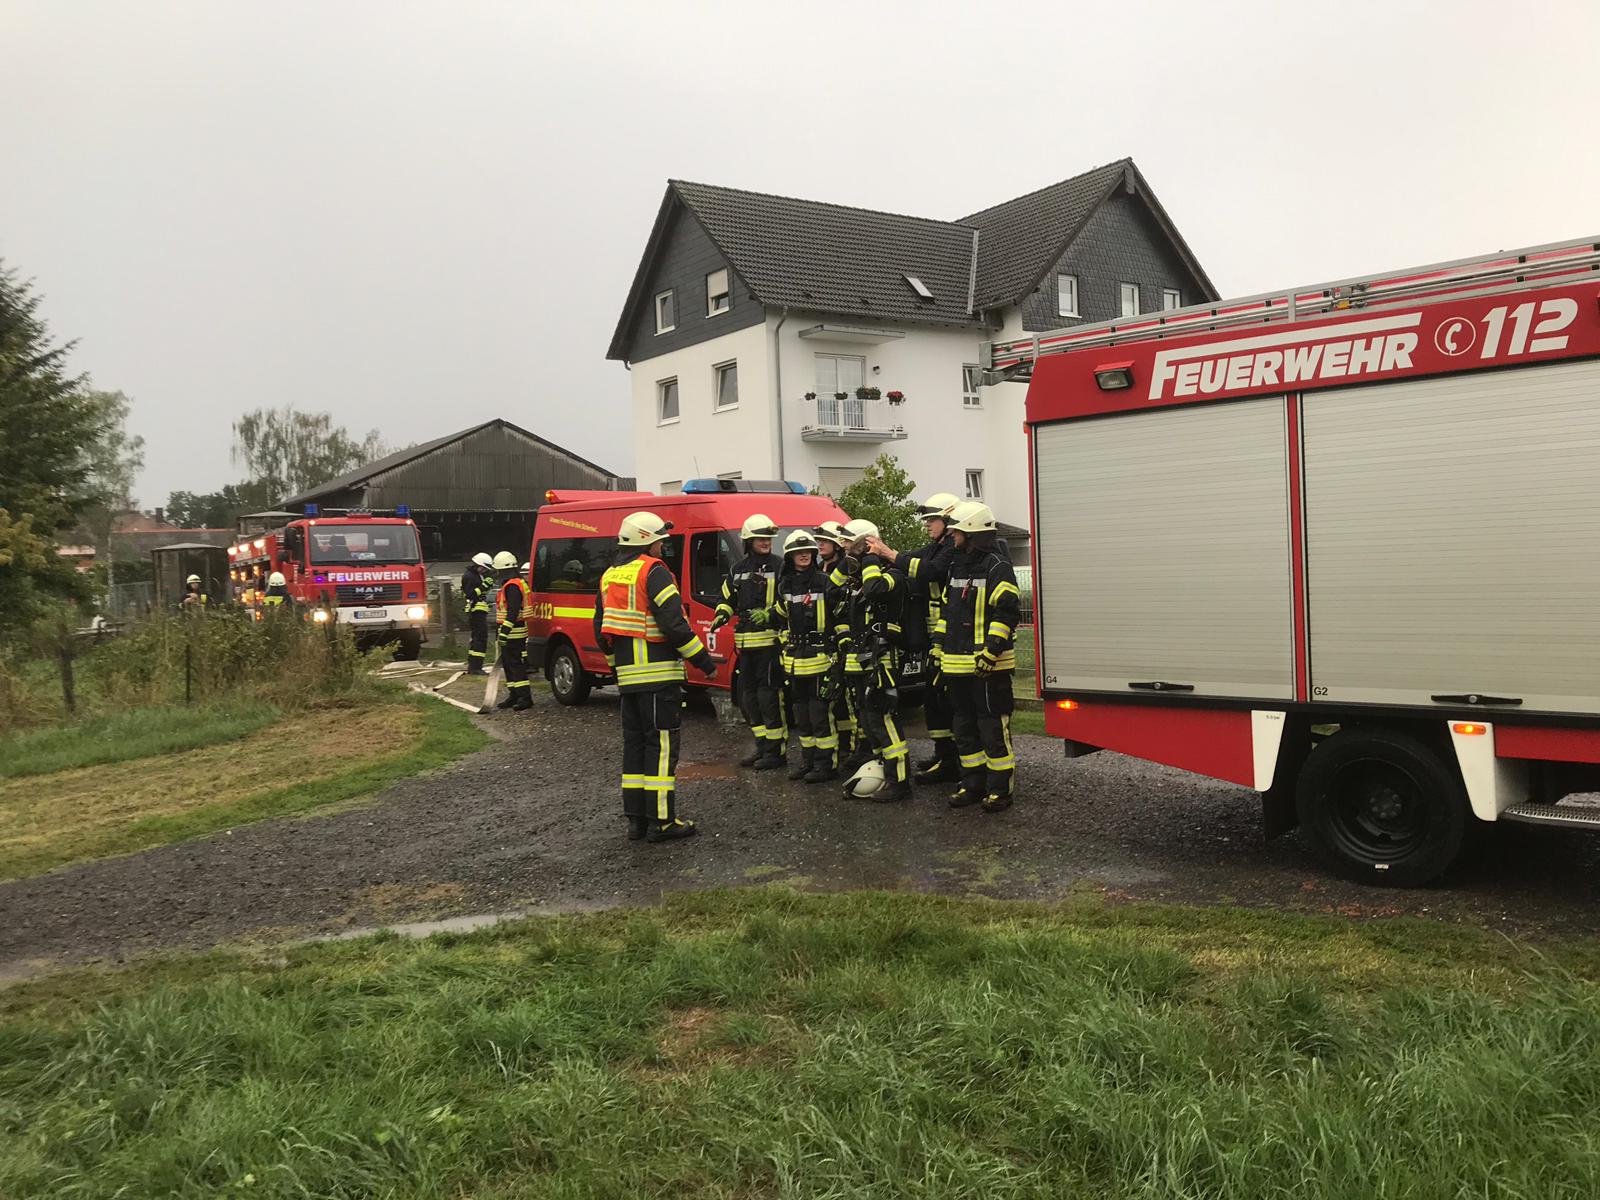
505	561
832	531
192	579
483	560
940	505
861	528
642	529
869	779
276	579
800	539
973	517
758	525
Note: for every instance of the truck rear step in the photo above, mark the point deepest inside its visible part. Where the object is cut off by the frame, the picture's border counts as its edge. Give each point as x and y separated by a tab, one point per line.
1571	816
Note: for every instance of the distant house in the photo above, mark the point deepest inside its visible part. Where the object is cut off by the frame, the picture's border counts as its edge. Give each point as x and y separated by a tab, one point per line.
749	313
477	488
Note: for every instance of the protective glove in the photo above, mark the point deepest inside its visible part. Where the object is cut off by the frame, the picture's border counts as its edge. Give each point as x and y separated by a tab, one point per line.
758	618
983	661
718	621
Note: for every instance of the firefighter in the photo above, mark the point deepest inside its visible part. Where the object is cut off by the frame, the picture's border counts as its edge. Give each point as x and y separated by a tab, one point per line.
833	563
749	593
510	605
869	635
194	595
804	606
927	569
982	608
277	593
640	625
477	582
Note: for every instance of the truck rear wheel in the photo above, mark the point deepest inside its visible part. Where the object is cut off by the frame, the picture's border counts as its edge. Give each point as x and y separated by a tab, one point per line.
569	682
1382	807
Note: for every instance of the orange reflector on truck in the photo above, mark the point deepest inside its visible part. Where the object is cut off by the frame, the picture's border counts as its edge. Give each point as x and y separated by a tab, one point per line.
1066	705
1469	729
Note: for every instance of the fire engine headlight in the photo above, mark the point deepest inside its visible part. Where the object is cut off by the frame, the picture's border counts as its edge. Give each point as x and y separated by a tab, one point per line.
417	612
1114	377
320	614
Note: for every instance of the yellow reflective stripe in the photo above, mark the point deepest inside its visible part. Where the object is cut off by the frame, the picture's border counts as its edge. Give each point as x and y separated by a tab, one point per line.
692	647
1003	588
660	672
911	571
574	612
974	760
871	572
665	594
755	639
999	629
959	664
632	781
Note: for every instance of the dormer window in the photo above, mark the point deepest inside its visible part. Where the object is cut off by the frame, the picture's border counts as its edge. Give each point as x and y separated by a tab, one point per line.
920	288
717	297
665	320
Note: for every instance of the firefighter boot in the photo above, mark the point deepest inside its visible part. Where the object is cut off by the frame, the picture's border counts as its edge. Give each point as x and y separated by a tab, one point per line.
509	702
944	766
895	789
972	790
823	769
756	755
523	702
996	802
803	768
774	757
636	828
667	831
859	757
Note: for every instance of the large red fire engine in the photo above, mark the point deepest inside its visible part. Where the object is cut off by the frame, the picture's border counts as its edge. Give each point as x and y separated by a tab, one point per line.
1340	544
359	569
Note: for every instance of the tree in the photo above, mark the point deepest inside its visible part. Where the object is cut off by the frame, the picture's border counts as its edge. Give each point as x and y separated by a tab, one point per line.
883	496
288	451
217	510
114	460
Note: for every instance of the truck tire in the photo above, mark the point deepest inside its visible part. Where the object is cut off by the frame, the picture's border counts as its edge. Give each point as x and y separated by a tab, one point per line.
1381	807
569	682
409	648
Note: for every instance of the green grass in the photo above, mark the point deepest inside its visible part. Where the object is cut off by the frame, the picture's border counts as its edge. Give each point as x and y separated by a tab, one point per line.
137	733
766	1043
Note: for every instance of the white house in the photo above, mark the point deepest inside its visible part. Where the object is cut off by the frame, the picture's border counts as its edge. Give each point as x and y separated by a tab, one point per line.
749	314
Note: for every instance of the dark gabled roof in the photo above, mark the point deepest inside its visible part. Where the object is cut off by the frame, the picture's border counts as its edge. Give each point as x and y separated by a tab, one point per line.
1023	238
389	462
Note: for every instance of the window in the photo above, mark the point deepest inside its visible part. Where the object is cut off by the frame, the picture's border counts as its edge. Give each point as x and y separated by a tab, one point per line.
717	297
727	385
971	377
335	545
1130	299
1066	295
713	555
572	564
665	322
666	401
839	373
1171	298
920	288
974	485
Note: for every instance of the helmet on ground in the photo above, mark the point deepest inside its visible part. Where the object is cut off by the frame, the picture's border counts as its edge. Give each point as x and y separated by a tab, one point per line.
973	517
758	525
505	561
869	779
276	579
800	539
832	531
483	560
642	529
192	579
860	528
940	504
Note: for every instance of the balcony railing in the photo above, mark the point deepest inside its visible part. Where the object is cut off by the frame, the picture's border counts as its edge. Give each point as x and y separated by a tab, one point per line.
853	419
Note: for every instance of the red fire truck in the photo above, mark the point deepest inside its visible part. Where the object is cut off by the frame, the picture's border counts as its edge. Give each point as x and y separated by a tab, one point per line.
1340	544
361	569
575	540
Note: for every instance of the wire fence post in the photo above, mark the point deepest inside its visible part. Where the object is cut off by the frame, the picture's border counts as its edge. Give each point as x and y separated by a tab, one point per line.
188	672
68	691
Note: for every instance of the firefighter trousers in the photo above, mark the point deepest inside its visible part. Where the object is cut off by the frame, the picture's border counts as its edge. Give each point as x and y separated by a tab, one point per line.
478	648
981	708
513	657
760	679
875	712
651	736
936	707
844	717
813	717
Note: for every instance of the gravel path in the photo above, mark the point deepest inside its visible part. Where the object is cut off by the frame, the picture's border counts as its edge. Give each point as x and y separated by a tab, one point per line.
534	821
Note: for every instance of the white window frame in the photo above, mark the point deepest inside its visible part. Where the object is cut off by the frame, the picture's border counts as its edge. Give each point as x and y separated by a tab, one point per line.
717	406
1171	298
661	390
971	397
1067	296
836	359
725	295
668	297
974	475
1125	293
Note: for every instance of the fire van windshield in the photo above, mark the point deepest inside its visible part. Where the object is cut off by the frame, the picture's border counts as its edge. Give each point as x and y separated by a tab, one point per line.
375	544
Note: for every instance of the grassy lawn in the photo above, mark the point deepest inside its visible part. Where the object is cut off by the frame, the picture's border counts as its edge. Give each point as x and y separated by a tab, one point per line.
770	1044
204	769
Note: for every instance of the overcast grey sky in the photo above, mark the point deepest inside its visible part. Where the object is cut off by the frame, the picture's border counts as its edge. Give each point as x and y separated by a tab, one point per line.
422	215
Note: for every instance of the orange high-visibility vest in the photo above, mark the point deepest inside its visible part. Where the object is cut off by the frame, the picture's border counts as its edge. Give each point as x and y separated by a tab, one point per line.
521	584
623	591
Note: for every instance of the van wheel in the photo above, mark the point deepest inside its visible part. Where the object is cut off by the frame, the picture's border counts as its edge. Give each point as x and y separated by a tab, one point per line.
568	680
1381	807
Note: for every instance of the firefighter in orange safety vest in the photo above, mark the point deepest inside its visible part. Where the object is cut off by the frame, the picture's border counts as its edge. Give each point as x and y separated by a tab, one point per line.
510	608
640	625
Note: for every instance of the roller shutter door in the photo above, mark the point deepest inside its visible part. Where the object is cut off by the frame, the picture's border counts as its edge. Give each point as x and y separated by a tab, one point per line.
1163	546
1453	530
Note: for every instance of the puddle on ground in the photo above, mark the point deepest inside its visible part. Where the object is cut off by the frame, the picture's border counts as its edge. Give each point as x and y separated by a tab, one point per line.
707	770
466	924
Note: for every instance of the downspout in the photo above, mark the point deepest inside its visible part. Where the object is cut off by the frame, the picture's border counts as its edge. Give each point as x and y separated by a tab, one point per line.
777	364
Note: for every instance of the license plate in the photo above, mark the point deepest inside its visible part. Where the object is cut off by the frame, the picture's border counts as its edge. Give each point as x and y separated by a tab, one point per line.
372	614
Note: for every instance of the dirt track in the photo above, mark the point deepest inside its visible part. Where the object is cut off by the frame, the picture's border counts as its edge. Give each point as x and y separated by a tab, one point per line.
534	820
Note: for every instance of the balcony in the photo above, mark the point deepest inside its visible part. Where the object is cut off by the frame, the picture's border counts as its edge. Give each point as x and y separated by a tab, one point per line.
852	419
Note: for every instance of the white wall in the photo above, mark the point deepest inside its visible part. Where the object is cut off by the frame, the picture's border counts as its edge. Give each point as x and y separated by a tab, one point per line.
703	441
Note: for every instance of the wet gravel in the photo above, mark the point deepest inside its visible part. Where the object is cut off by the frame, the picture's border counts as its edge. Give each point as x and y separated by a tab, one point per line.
534	821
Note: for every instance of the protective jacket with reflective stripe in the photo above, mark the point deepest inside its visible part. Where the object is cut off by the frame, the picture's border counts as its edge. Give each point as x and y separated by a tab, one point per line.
475	589
641	662
510	606
750	592
871	624
981	610
927	571
805	605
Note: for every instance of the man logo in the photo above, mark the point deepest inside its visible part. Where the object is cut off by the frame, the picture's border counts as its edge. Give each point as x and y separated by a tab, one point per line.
1455	336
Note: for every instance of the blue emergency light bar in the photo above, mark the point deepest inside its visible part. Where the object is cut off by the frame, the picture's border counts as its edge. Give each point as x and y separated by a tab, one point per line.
402	510
312	510
705	487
